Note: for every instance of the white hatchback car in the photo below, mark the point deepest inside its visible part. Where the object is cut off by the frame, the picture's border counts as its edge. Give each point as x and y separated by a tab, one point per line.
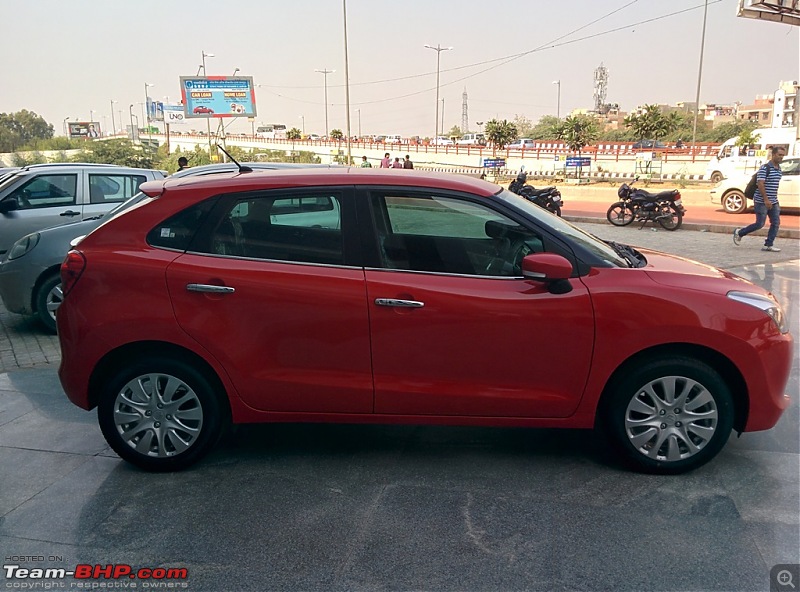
730	192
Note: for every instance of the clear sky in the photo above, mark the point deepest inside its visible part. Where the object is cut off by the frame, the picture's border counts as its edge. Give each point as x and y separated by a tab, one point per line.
65	58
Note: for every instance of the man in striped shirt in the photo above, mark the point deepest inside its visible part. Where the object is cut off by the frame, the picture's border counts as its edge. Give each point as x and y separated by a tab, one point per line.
768	179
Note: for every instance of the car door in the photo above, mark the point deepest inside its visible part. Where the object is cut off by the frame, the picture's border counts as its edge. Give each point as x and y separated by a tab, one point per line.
43	200
789	187
277	304
455	328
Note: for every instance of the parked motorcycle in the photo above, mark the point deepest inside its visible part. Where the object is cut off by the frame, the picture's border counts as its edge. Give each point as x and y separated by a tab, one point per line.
548	198
665	207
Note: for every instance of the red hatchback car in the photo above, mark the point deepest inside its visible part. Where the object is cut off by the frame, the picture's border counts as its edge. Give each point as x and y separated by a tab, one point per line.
358	296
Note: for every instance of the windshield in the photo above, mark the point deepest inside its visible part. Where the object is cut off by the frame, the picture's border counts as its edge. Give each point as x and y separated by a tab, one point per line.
561	227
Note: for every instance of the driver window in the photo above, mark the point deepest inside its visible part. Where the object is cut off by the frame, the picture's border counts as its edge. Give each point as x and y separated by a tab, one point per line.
47	191
429	233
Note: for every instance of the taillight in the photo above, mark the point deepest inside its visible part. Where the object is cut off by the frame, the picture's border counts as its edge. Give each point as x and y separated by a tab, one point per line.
71	270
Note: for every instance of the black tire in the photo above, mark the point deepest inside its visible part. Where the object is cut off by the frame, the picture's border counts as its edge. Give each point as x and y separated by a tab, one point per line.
186	435
558	212
734	202
48	298
619	214
716	177
670	217
647	430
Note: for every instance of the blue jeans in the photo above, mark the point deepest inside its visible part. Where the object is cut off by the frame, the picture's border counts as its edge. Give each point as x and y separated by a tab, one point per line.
762	212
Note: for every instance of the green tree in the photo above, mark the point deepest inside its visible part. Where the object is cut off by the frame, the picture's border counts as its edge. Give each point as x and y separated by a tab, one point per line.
545	129
577	132
747	138
294	134
337	135
524	125
649	124
120	152
500	133
20	128
455	131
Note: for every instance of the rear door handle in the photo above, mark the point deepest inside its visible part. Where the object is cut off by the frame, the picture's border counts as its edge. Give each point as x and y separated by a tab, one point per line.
70	213
399	303
209	288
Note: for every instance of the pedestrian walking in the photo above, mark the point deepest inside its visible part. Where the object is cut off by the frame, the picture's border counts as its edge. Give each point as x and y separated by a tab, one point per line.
385	161
407	164
397	164
768	179
365	164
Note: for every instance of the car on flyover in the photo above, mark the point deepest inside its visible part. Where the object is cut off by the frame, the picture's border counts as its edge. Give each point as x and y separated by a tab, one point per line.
30	283
360	296
730	192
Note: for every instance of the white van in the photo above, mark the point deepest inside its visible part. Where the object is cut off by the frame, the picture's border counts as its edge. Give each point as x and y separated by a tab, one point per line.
731	160
472	140
393	139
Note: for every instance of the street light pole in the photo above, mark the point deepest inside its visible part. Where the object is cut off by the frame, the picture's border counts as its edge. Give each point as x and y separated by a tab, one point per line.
699	76
346	81
133	129
303	119
147	108
204	56
234	72
65	126
114	125
325	75
359	125
558	107
438	49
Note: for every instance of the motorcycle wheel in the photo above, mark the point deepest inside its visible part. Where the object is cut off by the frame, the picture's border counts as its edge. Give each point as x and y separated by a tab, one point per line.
619	214
670	217
558	212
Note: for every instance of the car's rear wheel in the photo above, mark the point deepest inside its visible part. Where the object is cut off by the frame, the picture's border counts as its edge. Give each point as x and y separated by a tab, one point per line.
734	202
48	298
669	416
619	214
670	217
160	414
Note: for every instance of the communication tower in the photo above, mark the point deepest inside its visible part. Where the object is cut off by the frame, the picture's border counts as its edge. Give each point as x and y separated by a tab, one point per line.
600	86
464	118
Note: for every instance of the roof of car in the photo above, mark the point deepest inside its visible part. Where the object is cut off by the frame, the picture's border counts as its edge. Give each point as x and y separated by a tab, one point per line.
235	181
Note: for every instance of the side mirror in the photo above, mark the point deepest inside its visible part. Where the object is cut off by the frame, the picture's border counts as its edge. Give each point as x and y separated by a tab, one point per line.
549	268
8	205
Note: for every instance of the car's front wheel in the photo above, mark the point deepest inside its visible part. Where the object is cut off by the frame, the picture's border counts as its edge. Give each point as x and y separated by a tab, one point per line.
734	202
160	414
669	415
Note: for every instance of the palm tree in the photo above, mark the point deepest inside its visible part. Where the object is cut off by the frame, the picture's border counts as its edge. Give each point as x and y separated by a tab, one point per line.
577	132
500	133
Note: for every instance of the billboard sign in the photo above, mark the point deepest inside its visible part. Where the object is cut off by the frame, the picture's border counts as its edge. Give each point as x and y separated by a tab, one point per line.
155	110
84	129
174	115
218	96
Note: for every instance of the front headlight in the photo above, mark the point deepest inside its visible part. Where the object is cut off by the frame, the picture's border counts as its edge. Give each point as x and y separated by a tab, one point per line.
769	306
23	246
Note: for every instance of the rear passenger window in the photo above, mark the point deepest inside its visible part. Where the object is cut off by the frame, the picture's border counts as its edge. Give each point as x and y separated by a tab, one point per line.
299	228
113	188
178	231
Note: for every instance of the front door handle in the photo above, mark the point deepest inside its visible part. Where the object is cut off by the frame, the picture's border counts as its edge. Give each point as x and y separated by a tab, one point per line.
70	213
210	288
393	302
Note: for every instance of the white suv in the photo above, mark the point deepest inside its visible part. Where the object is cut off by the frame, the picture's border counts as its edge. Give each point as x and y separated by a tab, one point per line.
472	140
39	196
